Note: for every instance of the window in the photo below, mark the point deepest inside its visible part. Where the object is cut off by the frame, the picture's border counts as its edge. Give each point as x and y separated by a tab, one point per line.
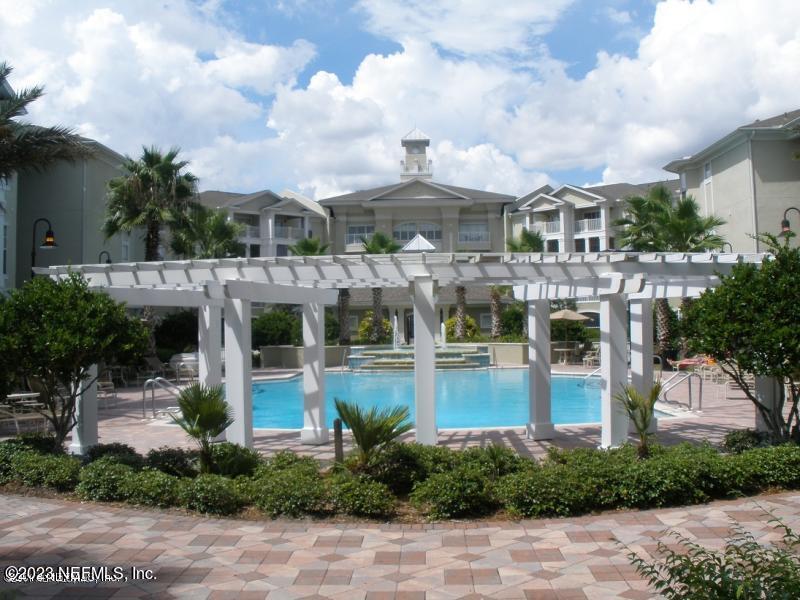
353	322
594	244
405	232
473	232
580	245
255	250
612	243
592	214
356	232
282	250
552	245
126	247
486	320
707	171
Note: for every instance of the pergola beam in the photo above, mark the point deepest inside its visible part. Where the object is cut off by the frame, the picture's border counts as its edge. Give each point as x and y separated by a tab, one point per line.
257	291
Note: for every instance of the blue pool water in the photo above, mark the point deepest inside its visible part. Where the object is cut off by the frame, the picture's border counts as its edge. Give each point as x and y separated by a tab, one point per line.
481	398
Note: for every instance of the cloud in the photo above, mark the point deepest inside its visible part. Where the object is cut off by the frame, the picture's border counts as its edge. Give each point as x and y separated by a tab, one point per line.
619	17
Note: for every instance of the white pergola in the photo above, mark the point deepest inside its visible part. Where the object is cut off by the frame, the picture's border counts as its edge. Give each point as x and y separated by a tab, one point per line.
229	286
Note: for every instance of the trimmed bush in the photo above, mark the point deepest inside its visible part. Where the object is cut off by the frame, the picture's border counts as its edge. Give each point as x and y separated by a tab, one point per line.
459	493
150	487
172	461
495	460
739	440
232	460
400	466
43	443
286	459
8	450
365	330
120	453
361	497
291	492
276	328
554	490
471	329
54	471
103	479
212	494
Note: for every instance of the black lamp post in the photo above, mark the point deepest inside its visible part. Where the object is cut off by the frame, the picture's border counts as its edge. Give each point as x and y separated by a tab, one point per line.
48	243
728	244
786	228
108	257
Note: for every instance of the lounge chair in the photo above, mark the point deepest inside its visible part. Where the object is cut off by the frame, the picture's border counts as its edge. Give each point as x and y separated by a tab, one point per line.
153	368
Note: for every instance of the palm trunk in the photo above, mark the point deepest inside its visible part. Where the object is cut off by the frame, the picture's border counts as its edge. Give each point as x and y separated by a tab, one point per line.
663	330
152	240
494	307
376	336
344	317
461	312
686	303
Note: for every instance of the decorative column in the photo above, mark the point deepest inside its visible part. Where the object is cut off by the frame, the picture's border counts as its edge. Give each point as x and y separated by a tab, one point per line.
613	369
209	345
84	434
238	370
315	429
768	392
642	349
540	425
425	320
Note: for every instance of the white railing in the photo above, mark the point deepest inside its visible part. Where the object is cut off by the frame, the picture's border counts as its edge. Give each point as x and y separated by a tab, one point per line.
474	237
252	231
152	384
679	378
547	226
289	233
588	225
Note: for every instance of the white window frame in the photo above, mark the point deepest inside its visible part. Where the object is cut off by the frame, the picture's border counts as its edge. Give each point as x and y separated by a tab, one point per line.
473	232
356	231
405	232
485	320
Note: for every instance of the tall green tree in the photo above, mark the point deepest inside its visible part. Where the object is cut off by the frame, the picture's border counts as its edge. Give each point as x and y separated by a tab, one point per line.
202	232
52	332
379	243
750	324
528	241
25	146
654	223
152	193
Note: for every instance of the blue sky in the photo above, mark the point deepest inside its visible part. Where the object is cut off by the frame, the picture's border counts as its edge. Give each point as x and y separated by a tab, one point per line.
313	95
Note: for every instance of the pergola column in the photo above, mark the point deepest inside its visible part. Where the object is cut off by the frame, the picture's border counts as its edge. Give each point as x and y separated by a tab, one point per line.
768	392
315	429
84	434
425	320
209	345
238	370
613	369
540	425
642	349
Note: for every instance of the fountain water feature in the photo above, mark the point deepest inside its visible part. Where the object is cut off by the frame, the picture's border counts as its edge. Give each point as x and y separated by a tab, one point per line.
376	358
395	334
444	336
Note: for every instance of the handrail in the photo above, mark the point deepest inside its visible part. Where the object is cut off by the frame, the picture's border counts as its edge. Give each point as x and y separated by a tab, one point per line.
593	373
679	378
164	384
187	366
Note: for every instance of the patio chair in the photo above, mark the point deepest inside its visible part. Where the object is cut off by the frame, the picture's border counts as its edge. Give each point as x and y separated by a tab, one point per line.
153	368
12	413
106	391
591	358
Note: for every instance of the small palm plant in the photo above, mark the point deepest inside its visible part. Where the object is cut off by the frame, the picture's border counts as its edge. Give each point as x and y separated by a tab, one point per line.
204	415
372	429
640	410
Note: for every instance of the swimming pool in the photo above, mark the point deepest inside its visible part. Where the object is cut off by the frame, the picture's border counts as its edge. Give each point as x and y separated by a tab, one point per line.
464	399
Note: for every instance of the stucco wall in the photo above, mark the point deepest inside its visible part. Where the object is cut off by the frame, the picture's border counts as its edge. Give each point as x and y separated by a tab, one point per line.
777	180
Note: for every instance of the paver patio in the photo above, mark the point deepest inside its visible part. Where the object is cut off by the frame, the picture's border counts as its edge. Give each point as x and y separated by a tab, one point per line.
198	558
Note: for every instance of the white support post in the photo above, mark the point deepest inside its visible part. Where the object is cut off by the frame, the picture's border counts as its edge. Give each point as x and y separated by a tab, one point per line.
84	434
238	370
642	349
425	319
540	425
209	345
768	392
315	429
613	368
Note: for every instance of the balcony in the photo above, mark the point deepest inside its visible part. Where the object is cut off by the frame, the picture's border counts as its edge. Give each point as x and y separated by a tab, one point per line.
547	227
289	233
588	225
252	231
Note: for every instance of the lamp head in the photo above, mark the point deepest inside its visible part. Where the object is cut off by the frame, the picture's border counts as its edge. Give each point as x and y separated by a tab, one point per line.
49	241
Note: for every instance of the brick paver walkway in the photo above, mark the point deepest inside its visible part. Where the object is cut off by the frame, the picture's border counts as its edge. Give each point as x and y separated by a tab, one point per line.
198	558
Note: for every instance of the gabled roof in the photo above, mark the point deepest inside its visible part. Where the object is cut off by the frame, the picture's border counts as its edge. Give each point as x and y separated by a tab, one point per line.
258	200
444	191
415	135
787	123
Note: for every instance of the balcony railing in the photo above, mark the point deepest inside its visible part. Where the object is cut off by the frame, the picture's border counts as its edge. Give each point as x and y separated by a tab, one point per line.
547	226
289	233
588	225
252	231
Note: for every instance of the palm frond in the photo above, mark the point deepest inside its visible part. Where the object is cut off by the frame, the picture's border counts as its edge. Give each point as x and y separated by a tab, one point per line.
372	429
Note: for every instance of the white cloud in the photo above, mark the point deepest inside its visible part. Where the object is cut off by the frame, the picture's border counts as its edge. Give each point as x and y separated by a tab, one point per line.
620	17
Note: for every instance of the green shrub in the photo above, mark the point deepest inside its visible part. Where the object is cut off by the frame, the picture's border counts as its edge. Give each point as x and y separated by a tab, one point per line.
177	332
43	443
551	490
744	569
471	329
361	497
55	471
762	468
120	453
151	488
365	330
495	460
286	459
276	328
212	494
233	460
8	450
462	492
103	479
401	465
172	461
512	320
739	440
291	492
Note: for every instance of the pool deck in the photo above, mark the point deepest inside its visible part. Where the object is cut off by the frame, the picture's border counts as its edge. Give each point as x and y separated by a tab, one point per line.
123	422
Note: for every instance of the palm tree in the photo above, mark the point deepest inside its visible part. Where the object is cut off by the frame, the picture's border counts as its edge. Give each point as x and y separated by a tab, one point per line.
152	193
460	329
373	429
26	146
343	302
203	232
529	241
640	411
204	415
496	293
379	243
654	224
309	247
